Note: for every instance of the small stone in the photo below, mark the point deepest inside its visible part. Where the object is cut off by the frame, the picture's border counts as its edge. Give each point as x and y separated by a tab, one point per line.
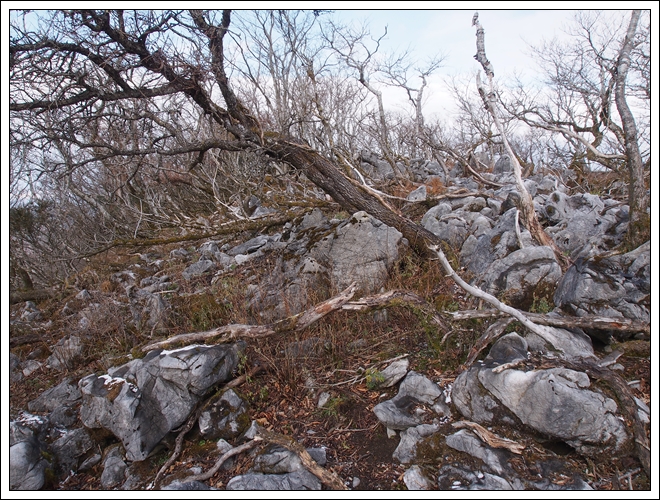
324	397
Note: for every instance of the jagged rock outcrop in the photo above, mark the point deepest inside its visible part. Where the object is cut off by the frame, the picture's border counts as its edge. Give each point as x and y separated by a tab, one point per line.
616	286
323	257
142	401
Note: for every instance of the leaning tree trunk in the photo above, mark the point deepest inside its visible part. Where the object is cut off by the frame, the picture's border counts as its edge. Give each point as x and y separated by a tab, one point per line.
639	227
526	205
349	194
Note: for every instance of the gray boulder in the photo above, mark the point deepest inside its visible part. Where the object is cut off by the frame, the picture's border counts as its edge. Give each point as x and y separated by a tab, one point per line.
396	413
147	307
114	468
394	372
375	168
319	260
419	388
503	165
180	253
521	273
249	246
177	485
418	194
502	267
415	479
65	353
458	478
224	417
299	480
15	373
363	249
27	467
495	459
202	266
406	451
276	460
577	219
555	402
495	244
31	312
69	447
142	401
28	426
452	228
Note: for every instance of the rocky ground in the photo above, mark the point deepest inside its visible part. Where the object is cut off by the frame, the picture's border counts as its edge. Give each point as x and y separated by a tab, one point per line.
323	385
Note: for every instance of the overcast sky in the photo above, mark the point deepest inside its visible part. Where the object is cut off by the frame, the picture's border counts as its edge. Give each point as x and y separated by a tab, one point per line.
509	33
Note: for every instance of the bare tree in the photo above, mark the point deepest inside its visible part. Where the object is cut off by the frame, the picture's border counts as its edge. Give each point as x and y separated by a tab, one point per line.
605	67
125	100
399	72
639	229
358	50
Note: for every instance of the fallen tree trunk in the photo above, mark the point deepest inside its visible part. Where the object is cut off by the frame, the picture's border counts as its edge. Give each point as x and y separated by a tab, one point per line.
349	194
304	319
392	298
35	295
30	338
596	322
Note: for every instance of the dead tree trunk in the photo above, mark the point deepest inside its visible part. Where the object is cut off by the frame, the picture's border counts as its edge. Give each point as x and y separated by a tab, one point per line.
347	193
639	227
526	203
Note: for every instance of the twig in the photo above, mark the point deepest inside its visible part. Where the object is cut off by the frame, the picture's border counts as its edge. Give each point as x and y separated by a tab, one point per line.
628	476
193	418
359	378
216	467
493	332
507	366
178	444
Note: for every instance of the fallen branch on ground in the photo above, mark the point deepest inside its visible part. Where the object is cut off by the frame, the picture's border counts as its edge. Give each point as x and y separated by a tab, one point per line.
302	320
228	333
216	467
34	295
30	338
231	227
491	439
595	322
542	331
327	477
391	298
